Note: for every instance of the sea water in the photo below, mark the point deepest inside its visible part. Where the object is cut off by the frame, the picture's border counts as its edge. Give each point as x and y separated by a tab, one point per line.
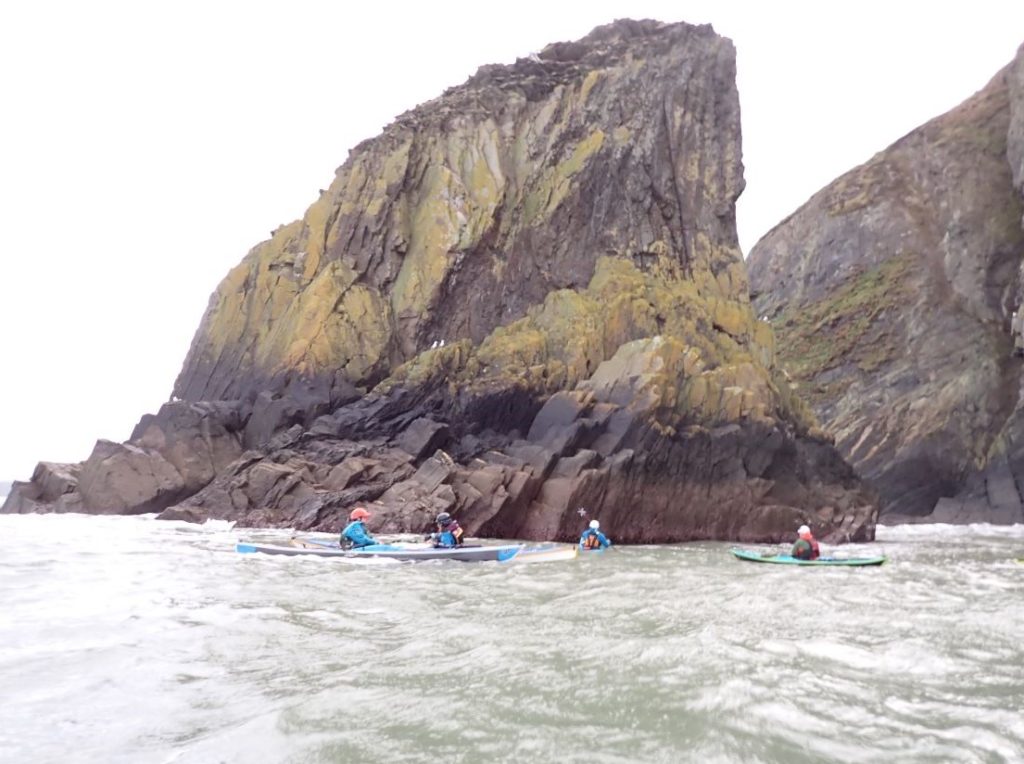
136	640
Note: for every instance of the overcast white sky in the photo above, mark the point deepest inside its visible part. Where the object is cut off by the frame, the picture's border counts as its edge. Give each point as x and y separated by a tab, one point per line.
145	147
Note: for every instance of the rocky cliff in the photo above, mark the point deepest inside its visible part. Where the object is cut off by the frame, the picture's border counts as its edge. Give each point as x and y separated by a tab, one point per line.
894	293
524	303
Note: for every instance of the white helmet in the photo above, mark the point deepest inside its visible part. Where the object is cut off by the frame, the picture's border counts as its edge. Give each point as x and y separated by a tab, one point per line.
595	524
803	529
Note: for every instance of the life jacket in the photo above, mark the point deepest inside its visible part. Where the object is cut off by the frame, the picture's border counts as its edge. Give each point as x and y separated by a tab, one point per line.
591	541
813	553
815	549
450	536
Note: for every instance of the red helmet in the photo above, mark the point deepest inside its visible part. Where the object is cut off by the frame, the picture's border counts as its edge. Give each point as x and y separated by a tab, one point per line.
358	514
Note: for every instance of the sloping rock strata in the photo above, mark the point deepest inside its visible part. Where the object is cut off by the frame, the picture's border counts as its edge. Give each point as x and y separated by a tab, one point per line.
896	296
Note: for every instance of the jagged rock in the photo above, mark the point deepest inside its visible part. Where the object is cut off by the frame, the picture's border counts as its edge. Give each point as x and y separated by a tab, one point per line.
423	436
198	439
53	488
55	480
125	479
299	402
561	409
23	499
170	455
349	471
893	293
435	471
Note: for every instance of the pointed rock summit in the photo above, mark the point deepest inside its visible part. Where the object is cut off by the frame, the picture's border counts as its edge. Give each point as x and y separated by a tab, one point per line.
567	225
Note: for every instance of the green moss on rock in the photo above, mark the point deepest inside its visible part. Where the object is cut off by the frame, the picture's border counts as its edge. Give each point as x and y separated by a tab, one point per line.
844	327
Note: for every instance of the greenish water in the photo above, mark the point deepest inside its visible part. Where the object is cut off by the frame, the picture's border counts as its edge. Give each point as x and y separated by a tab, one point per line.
133	640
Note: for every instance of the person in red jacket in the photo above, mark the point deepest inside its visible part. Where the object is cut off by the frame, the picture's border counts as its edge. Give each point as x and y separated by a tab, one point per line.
806	546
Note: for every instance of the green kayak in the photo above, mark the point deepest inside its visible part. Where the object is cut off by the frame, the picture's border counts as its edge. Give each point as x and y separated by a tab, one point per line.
785	559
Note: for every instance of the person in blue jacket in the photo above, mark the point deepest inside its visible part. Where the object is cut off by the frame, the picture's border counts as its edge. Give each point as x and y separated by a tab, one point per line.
449	533
592	538
355	535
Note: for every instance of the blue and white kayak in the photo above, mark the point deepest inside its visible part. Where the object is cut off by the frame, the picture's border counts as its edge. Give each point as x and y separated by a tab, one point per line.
785	559
402	552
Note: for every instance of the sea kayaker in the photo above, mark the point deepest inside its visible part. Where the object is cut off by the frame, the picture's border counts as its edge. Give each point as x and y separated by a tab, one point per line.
806	546
449	533
355	535
592	538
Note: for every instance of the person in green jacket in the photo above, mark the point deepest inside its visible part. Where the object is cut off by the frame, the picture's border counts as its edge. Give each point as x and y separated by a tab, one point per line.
806	546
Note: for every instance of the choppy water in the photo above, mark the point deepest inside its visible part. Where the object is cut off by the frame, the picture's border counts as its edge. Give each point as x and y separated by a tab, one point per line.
133	640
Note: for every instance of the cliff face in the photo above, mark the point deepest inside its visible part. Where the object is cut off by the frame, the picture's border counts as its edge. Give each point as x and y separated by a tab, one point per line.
471	208
893	293
523	301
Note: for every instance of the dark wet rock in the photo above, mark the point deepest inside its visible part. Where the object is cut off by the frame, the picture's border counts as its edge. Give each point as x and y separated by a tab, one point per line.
422	437
125	479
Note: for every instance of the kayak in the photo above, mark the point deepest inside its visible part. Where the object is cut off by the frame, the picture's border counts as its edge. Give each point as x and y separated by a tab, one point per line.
545	553
785	559
402	552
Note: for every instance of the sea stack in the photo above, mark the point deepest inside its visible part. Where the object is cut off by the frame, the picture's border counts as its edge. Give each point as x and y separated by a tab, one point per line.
523	303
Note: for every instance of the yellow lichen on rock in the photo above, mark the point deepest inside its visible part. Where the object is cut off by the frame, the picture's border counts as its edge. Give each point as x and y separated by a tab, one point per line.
317	219
763	343
451	209
331	324
589	81
517	346
262	285
433	233
642	337
556	184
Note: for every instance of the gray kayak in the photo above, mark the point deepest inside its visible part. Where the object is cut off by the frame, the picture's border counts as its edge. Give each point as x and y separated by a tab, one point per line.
404	553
